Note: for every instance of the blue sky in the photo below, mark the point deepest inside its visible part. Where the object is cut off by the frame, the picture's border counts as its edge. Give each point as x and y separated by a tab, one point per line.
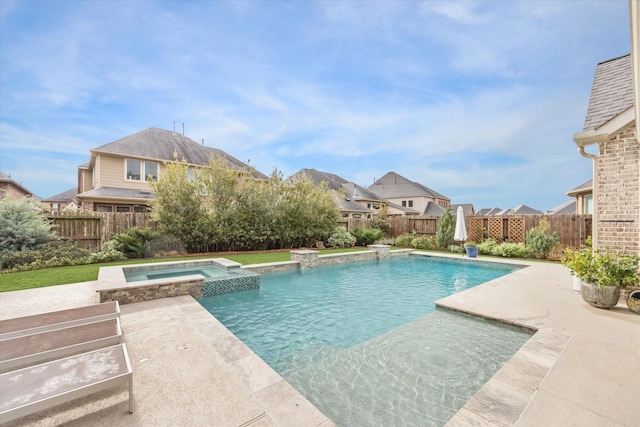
478	100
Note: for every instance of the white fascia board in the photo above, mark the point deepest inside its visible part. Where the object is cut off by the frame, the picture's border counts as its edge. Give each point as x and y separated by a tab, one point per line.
604	132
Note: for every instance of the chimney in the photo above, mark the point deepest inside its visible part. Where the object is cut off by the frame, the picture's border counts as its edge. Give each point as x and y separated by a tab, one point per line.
183	129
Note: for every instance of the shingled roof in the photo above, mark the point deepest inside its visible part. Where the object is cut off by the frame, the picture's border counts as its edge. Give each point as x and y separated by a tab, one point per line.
582	188
611	92
160	144
352	191
393	186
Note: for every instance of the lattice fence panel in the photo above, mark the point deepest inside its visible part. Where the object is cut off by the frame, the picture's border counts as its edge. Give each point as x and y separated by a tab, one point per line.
516	230
476	232
494	229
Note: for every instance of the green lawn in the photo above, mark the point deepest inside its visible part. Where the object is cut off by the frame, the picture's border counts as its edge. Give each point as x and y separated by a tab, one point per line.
86	273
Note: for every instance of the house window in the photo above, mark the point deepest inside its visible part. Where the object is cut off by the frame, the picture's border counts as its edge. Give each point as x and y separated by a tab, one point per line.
357	216
410	203
151	171
404	203
104	208
140	209
588	204
135	170
345	215
123	208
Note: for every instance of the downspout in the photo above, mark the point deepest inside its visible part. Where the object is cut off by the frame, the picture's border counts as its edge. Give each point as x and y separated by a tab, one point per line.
594	222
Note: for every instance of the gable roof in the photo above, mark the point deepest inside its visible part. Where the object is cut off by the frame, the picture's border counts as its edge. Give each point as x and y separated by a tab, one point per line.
393	186
586	187
8	180
433	209
467	208
352	190
611	92
65	196
160	144
566	208
489	211
520	210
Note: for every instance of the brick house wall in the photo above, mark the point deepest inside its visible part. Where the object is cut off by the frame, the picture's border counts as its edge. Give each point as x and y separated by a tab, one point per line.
618	194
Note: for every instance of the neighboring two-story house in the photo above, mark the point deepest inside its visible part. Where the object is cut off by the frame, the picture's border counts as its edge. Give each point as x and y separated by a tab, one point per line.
409	194
116	177
353	200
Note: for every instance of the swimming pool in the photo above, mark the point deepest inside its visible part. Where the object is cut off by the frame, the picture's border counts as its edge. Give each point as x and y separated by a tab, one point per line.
363	341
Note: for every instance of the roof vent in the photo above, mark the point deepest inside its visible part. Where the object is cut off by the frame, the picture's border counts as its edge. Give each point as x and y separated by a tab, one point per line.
145	192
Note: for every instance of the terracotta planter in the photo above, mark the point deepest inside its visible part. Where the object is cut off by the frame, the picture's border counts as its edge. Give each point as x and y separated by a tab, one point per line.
600	296
633	301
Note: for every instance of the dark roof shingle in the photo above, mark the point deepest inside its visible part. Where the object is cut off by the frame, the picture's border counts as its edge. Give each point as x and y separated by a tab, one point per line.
611	92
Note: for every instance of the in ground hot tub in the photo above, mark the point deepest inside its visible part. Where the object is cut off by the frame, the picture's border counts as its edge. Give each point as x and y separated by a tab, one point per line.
198	278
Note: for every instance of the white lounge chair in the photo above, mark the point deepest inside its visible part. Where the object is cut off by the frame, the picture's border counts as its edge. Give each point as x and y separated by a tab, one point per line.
29	390
40	347
28	325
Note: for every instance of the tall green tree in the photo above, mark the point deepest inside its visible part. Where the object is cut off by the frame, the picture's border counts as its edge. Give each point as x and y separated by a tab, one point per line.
177	207
221	208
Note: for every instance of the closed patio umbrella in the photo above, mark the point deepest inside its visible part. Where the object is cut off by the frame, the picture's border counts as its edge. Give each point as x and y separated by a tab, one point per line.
460	234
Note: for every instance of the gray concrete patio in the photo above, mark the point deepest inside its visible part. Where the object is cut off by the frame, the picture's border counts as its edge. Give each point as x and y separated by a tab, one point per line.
582	368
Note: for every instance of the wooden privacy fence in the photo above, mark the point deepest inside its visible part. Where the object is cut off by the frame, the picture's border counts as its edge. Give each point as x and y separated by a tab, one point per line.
91	230
572	229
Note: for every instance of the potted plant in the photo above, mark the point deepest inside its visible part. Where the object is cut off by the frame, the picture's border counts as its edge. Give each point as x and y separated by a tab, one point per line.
571	259
472	249
633	301
602	275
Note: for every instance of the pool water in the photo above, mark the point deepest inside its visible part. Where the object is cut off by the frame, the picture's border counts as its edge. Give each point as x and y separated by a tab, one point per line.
363	341
207	271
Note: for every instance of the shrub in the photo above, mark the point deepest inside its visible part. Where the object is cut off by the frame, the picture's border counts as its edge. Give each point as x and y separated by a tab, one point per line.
404	240
510	250
134	243
456	249
21	227
366	236
341	238
540	241
386	241
423	242
446	230
486	247
57	254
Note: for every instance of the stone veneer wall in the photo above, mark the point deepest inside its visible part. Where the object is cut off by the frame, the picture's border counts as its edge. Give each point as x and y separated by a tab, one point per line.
128	295
618	195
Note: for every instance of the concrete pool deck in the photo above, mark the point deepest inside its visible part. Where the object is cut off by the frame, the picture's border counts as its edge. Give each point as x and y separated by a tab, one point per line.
581	368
